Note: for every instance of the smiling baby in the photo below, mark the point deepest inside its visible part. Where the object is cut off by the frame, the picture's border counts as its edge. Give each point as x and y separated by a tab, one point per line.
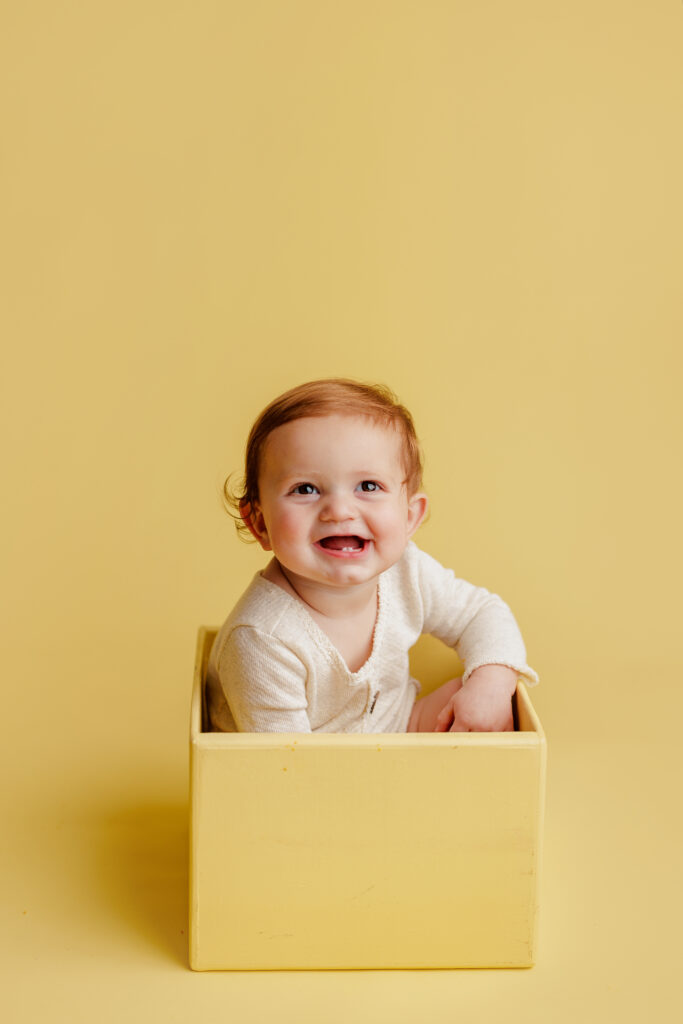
319	641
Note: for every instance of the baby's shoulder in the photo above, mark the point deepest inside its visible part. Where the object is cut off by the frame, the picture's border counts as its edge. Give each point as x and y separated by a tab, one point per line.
414	568
263	608
418	581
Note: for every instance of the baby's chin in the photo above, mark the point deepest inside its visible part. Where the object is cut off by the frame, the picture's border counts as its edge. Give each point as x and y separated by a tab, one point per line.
333	574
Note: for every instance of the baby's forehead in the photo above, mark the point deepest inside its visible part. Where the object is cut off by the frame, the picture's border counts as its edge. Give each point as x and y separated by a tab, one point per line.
319	438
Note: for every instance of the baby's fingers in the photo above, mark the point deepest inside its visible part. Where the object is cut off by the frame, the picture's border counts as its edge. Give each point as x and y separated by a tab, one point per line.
444	718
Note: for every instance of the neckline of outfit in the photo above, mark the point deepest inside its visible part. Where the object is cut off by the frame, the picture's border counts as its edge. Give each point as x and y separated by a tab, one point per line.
319	635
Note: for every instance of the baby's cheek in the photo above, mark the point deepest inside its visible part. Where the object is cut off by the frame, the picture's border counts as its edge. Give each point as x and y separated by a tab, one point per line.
290	529
396	528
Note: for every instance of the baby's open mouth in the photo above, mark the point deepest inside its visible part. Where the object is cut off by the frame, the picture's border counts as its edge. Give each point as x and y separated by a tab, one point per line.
350	543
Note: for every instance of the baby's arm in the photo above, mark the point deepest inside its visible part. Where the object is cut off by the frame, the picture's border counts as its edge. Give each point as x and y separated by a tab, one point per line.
482	704
264	683
478	624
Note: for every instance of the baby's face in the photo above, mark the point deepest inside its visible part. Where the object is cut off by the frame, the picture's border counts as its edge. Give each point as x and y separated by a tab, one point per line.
333	507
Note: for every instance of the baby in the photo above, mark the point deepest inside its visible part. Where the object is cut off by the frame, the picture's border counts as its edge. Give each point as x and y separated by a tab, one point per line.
319	641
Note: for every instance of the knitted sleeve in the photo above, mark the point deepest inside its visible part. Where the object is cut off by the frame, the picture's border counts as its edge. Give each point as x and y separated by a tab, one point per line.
264	683
476	623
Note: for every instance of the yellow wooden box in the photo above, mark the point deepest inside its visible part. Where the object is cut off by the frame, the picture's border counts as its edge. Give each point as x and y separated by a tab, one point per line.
364	851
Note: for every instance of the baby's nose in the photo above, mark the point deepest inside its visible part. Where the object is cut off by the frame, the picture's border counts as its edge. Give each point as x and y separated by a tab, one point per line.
337	507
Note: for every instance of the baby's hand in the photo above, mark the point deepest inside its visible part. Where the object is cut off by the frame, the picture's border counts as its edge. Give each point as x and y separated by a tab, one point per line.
483	704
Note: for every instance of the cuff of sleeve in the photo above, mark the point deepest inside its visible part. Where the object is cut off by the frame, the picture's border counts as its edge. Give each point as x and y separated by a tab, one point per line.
527	674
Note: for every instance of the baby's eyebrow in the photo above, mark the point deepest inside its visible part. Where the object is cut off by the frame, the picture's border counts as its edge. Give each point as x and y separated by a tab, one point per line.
303	477
320	476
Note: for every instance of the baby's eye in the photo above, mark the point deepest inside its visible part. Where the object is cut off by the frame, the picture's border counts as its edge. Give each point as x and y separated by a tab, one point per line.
305	489
370	485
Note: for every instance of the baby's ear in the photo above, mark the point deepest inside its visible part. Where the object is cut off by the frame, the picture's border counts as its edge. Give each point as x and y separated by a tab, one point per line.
417	510
252	518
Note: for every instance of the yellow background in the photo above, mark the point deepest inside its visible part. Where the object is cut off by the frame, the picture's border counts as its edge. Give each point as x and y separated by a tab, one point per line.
205	203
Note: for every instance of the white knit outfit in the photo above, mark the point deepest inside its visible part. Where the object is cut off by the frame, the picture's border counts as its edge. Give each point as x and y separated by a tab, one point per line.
273	669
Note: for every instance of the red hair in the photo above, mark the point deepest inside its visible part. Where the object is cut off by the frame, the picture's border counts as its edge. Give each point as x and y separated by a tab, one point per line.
335	395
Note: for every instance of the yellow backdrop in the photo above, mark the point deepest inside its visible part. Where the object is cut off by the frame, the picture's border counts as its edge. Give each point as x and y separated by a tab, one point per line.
205	203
